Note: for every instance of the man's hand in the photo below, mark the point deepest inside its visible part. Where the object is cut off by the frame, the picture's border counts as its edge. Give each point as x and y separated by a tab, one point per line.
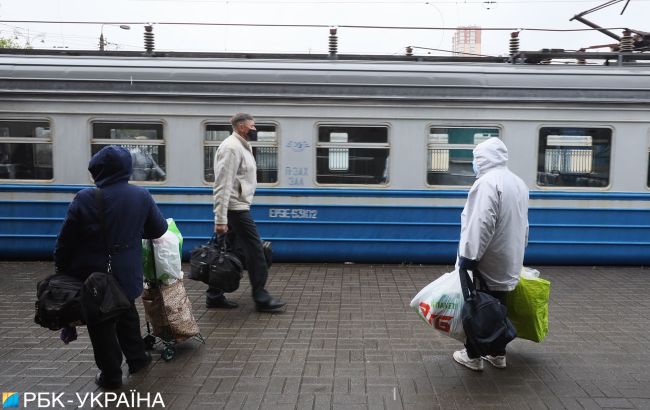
220	229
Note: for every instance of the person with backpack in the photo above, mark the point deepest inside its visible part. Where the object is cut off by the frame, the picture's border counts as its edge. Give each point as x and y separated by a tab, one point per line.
494	234
82	247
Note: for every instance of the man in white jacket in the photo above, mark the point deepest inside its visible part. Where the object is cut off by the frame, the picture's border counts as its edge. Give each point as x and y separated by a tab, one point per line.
235	180
494	232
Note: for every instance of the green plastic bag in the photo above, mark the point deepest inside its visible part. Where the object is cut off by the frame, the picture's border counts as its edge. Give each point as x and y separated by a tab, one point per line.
528	308
148	258
171	227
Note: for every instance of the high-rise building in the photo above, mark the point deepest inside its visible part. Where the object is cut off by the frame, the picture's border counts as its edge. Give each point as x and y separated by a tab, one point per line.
467	40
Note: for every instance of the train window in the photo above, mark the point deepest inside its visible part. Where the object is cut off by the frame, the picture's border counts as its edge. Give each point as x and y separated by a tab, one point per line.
265	150
449	159
574	157
143	140
25	150
352	155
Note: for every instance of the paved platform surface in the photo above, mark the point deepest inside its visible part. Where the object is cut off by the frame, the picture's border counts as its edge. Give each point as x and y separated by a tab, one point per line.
348	340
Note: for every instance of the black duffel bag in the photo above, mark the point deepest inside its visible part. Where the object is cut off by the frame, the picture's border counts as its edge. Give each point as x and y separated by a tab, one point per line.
58	302
236	248
215	265
200	260
485	321
102	298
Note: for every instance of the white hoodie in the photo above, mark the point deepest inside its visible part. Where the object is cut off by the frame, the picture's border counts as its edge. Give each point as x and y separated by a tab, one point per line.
494	222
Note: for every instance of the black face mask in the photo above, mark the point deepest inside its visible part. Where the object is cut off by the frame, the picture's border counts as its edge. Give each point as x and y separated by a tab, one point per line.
252	135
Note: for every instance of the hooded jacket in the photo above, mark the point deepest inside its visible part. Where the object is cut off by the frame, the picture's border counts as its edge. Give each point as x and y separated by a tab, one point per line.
130	214
494	222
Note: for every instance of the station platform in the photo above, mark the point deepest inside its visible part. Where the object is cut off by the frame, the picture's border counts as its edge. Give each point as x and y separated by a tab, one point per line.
348	340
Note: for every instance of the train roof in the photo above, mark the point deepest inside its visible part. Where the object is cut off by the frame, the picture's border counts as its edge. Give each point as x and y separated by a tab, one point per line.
626	80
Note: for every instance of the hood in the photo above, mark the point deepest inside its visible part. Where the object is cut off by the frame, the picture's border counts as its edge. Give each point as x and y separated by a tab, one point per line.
489	154
110	165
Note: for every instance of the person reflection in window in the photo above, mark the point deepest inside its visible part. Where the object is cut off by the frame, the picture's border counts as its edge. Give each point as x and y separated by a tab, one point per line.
145	167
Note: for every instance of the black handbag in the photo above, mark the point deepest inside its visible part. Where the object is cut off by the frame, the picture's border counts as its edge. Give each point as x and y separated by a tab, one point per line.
485	321
102	297
58	302
215	265
200	259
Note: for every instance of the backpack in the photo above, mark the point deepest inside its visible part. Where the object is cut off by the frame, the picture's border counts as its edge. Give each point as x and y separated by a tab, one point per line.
58	302
485	321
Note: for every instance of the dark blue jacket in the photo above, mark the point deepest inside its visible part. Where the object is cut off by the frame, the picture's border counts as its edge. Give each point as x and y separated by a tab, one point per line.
130	215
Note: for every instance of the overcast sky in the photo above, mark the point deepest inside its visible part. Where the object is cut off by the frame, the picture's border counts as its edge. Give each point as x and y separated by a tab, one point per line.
407	13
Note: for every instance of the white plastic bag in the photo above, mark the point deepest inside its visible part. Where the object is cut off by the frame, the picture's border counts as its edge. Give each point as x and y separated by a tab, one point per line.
440	304
529	273
167	258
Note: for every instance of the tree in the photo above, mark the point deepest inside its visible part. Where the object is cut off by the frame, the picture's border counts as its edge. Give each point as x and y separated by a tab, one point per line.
8	43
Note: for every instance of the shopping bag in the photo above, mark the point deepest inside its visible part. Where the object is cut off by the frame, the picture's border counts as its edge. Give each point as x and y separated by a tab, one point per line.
528	307
167	257
440	304
161	257
171	227
169	311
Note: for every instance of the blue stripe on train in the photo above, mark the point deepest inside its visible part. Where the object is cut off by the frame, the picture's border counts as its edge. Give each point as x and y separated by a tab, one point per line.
391	234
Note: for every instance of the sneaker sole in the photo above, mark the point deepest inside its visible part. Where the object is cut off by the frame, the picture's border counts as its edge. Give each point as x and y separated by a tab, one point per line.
496	365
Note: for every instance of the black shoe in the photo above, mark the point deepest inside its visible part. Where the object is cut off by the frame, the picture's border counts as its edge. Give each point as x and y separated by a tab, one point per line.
271	306
141	364
222	303
101	381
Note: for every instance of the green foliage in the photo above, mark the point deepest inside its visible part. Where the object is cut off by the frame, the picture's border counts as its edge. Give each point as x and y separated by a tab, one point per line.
8	43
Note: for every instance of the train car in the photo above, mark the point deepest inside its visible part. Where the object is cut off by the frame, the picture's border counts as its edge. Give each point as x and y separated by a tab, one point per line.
359	159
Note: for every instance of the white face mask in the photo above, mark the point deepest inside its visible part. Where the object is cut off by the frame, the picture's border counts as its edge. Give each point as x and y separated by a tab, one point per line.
475	168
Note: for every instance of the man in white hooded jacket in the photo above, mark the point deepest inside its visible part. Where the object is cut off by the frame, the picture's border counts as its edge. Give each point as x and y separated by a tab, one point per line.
494	232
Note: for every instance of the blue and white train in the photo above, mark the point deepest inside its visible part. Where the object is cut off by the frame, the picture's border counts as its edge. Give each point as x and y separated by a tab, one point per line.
360	159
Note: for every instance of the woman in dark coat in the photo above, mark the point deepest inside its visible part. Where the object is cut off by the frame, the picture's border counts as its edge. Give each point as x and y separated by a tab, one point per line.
130	214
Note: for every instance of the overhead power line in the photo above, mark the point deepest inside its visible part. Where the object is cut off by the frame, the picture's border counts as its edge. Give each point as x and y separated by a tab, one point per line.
373	2
451	51
303	25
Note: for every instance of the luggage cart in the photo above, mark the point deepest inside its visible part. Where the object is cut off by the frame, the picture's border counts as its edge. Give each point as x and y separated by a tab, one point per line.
169	316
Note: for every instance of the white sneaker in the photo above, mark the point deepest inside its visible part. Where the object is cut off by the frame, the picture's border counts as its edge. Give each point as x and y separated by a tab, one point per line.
461	357
496	361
